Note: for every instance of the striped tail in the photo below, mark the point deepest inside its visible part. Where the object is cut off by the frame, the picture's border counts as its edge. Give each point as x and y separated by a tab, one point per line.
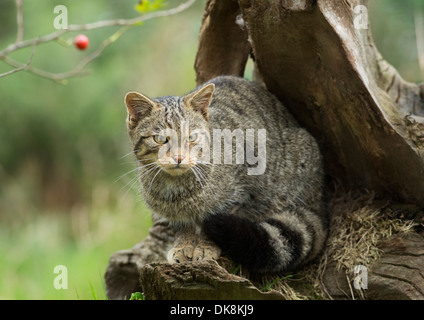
281	243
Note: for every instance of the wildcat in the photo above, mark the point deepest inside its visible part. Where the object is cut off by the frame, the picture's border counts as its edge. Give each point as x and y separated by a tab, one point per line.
269	222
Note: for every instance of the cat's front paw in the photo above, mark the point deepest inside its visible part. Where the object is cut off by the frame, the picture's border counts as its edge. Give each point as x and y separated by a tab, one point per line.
190	251
206	250
182	252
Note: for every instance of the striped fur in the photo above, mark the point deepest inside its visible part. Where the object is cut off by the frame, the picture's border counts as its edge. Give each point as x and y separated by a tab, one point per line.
269	223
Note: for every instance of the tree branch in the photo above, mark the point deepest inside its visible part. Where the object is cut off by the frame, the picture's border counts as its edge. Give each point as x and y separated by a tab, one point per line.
21	67
55	36
419	24
78	71
20	21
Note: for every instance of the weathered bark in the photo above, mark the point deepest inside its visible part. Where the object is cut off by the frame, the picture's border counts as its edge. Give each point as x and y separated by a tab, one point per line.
364	115
123	272
144	269
227	53
332	78
198	281
397	275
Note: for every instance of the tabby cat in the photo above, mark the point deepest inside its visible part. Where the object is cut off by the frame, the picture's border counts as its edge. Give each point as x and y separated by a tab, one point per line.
259	202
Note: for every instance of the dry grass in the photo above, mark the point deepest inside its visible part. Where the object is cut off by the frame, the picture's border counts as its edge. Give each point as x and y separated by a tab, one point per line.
357	225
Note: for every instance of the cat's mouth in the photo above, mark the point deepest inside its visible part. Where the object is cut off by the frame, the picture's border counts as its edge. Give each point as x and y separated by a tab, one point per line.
177	169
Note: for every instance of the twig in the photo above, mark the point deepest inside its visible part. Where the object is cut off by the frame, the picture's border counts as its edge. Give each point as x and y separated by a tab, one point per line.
78	71
419	25
58	77
96	25
320	273
103	46
20	68
55	36
20	21
350	287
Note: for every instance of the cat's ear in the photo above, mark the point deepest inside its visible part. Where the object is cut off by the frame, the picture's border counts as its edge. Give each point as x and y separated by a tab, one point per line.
138	106
200	100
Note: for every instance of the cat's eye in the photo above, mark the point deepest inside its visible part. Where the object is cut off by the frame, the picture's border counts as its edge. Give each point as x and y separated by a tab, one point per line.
160	139
193	137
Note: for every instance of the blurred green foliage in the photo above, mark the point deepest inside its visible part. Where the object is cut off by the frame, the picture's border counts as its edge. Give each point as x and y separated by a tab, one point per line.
63	147
74	135
393	29
149	5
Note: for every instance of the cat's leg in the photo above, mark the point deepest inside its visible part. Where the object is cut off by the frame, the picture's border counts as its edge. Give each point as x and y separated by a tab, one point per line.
189	245
206	249
184	245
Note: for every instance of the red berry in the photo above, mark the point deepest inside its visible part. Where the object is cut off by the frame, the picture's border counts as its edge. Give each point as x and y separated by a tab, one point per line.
81	42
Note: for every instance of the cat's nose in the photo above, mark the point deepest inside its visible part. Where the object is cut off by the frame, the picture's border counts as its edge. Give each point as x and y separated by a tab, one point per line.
178	158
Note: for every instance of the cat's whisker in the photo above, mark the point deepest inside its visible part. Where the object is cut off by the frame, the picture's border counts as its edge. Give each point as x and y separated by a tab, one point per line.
160	169
148	171
132	162
135	169
197	177
125	163
205	177
148	166
126	155
141	160
204	163
144	166
201	166
129	182
125	174
202	173
133	181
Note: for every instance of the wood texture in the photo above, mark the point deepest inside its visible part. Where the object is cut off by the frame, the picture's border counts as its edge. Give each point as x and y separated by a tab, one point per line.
223	45
367	119
198	281
333	79
397	275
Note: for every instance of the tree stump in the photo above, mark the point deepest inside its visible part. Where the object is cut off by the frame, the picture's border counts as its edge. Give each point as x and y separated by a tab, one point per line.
327	71
397	274
198	281
368	121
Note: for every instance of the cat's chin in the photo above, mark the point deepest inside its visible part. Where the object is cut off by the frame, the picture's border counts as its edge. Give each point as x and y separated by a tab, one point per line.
177	171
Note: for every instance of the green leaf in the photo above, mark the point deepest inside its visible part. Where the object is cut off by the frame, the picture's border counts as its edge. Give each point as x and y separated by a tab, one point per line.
93	292
137	296
236	269
269	285
145	6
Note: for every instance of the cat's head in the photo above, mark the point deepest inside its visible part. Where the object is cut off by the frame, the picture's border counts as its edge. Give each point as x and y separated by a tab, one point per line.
172	132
